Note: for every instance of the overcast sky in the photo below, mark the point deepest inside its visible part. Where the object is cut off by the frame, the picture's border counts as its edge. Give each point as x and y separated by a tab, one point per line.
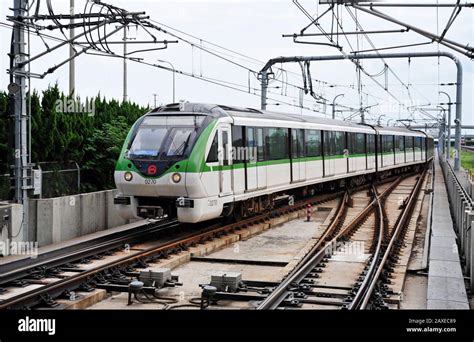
255	28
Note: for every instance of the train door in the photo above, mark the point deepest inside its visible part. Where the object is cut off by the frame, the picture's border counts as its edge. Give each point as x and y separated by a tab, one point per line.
351	152
225	160
370	151
251	160
261	167
301	154
298	166
329	144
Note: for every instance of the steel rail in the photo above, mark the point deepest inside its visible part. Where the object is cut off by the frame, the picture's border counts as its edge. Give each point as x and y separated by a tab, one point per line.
403	220
24	267
179	243
317	254
371	272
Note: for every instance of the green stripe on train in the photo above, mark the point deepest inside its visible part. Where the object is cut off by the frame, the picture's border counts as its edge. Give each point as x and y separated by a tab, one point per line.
197	163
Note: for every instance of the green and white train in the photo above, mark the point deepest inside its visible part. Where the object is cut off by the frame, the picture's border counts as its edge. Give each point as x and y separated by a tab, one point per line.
200	161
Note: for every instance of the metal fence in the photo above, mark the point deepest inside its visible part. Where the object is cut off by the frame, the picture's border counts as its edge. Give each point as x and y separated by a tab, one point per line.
5	187
59	179
463	215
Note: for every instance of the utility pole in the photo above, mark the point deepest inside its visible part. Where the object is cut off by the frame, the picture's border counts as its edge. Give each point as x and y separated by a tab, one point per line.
125	63
448	147
442	131
174	77
72	65
17	89
154	99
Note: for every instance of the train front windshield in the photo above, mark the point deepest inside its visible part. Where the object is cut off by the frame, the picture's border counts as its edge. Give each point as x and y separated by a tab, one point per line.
164	137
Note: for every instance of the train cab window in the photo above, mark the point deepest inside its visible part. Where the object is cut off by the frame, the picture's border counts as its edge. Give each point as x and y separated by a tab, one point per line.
164	137
297	143
313	143
179	138
370	143
212	156
276	141
360	143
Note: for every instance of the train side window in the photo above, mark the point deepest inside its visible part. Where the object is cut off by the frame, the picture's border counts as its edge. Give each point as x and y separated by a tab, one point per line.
360	144
399	144
238	150
301	152
225	147
212	156
370	144
313	143
409	144
294	143
297	143
387	143
417	143
276	140
251	145
329	143
260	145
350	138
340	143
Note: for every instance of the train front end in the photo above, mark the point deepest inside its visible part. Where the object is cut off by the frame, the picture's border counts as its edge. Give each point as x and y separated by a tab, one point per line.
157	168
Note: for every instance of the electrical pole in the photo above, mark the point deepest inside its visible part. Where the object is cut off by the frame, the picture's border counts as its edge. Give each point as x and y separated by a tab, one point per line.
174	78
448	147
125	63
459	79
17	88
334	105
442	131
72	66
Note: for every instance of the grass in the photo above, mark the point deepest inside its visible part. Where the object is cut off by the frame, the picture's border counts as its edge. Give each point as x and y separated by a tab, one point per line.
467	160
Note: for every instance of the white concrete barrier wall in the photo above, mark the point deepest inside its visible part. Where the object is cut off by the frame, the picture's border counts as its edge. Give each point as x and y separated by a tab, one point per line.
62	218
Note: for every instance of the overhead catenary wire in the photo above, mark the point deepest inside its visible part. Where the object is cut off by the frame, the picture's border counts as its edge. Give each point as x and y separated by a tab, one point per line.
105	47
350	45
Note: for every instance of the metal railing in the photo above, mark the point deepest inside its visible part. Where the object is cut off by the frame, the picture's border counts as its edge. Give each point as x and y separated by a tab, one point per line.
463	215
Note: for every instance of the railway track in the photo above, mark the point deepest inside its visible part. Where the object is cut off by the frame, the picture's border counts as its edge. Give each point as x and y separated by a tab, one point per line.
362	222
105	264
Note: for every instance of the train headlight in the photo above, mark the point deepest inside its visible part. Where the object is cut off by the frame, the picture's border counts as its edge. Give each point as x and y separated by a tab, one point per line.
128	176
176	177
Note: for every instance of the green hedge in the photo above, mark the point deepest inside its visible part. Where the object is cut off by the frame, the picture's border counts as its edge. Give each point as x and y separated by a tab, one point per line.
60	134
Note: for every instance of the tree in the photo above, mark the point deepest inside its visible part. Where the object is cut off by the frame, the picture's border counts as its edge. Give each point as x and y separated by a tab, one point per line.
59	135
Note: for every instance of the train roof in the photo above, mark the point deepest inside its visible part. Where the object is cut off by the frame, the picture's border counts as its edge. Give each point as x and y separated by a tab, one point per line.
250	113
